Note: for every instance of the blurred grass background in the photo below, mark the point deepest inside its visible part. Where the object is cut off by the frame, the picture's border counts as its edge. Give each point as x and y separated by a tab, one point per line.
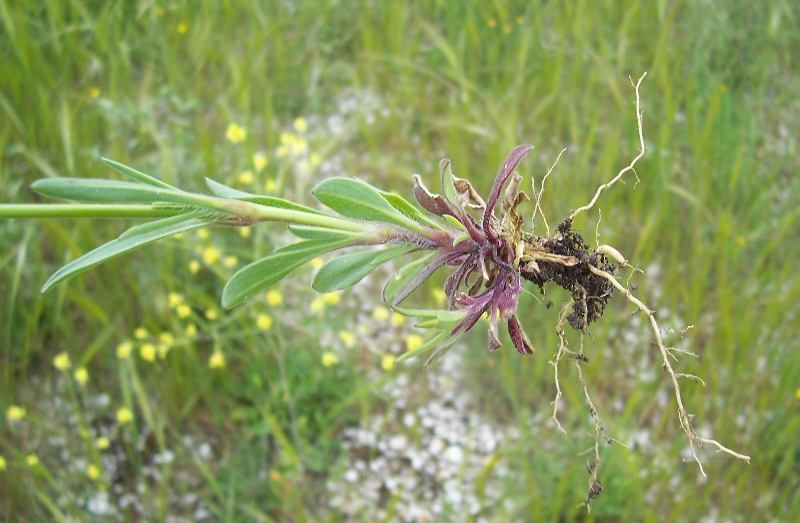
383	90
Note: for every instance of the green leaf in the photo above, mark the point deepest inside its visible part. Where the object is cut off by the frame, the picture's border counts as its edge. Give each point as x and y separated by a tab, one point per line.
311	232
127	242
273	268
345	271
136	175
425	347
398	281
407	208
224	191
448	184
357	199
98	190
443	349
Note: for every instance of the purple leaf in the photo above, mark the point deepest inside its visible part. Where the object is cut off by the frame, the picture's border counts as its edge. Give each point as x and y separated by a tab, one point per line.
518	336
509	164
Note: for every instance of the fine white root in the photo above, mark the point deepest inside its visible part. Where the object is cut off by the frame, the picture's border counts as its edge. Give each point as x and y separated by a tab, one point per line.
562	351
683	416
629	167
538	207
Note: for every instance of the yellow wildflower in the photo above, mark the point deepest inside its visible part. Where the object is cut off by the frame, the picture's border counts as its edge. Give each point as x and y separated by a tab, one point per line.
163	350
216	361
2	463
230	261
194	266
413	342
92	472
235	133
270	185
329	359
439	296
182	28
347	338
397	319
124	415
281	151
211	255
124	350
387	362
148	352
259	161
287	138
314	159
797	394
102	443
183	311
274	475
300	125
317	305
166	338
332	298
32	460
212	314
81	375
244	232
203	233
363	329
15	413
492	23
264	322
174	299
191	330
62	361
380	313
94	92
316	263
274	298
299	146
246	177
140	333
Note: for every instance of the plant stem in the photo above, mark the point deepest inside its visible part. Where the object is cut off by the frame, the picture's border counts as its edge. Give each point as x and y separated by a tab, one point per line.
84	210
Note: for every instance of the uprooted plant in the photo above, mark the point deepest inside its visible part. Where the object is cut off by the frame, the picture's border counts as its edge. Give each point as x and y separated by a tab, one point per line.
485	243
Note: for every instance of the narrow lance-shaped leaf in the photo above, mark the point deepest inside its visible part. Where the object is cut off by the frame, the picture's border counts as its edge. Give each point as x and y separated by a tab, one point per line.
93	190
405	207
345	271
357	199
225	191
509	164
130	172
273	268
127	242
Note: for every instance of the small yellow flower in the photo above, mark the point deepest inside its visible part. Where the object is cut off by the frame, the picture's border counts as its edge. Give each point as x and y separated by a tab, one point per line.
203	233
281	151
270	185
32	460
62	361
15	413
102	443
92	472
264	322
244	232
332	298
211	255
163	350
216	361
230	261
166	338
140	333
124	415
2	463
300	125
287	138
81	375
797	394
363	329
347	338
492	23
191	330
413	342
274	298
182	28
741	241
174	299
317	305
194	266
397	319
235	133
314	159
329	359
274	475
148	352
387	362
246	177
439	296
299	146
380	313
316	263
520	20
94	92
124	350
259	161
212	314
183	311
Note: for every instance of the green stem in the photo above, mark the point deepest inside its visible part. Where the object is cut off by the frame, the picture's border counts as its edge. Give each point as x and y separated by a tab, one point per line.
84	210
